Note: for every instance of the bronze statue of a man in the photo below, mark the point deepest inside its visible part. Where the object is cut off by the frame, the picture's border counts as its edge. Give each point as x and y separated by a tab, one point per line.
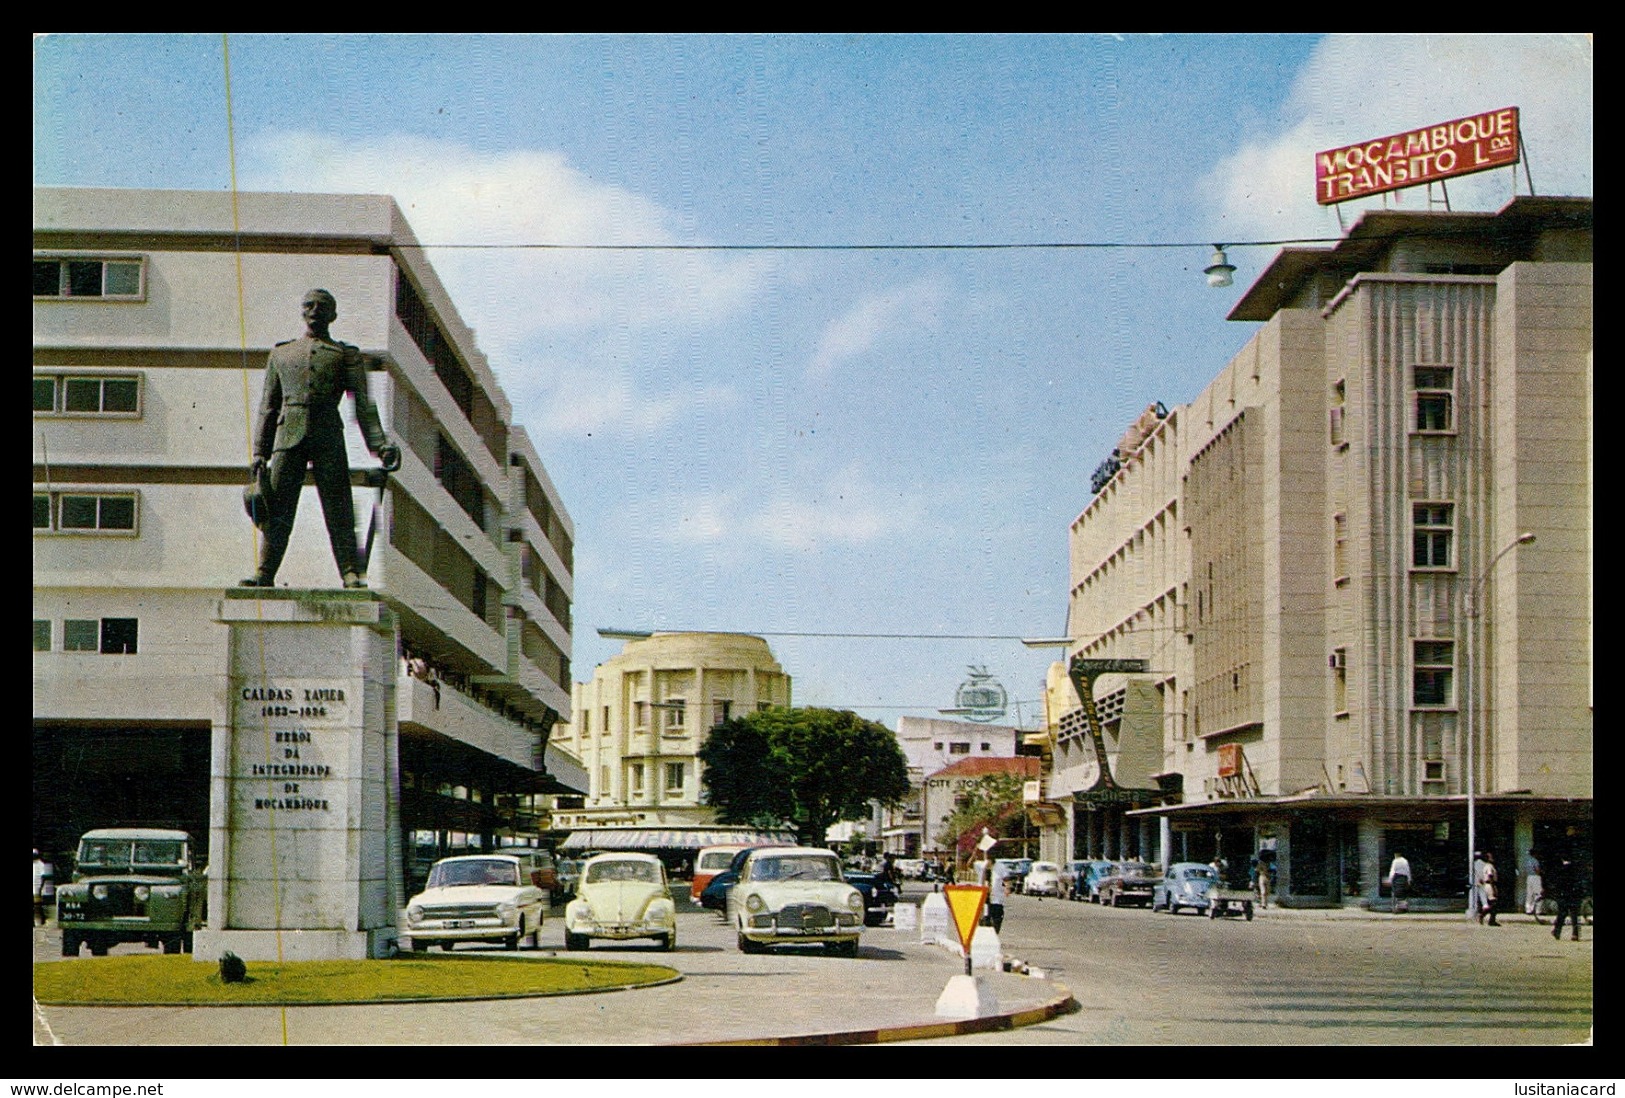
299	427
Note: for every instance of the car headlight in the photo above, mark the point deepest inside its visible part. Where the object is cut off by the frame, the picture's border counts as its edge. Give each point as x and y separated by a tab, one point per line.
754	902
142	892
507	911
855	901
98	892
414	914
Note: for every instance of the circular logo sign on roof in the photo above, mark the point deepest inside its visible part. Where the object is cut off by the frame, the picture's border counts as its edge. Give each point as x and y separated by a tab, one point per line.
980	697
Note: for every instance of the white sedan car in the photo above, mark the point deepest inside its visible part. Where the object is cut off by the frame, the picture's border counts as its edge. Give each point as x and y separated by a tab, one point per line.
795	895
621	896
479	897
1044	879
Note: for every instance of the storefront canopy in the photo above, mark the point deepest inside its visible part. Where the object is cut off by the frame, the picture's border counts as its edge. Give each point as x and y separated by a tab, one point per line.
668	838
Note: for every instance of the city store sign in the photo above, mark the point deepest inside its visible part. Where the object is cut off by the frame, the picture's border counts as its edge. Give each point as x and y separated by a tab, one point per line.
1462	146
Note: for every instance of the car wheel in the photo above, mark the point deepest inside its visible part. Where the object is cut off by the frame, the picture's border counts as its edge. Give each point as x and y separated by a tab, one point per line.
70	944
445	947
1248	911
748	946
419	947
511	942
98	949
574	941
669	942
1213	910
172	945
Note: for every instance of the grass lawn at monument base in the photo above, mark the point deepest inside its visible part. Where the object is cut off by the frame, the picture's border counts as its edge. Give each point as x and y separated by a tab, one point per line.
159	980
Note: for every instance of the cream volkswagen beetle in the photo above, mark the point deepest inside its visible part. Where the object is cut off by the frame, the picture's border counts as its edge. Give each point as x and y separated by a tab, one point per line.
795	896
480	897
621	896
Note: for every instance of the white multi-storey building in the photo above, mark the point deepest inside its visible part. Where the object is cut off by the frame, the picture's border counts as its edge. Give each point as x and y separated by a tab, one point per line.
1358	567
154	312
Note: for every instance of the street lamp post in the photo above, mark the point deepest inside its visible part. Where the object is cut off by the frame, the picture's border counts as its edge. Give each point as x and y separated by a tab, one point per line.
1470	611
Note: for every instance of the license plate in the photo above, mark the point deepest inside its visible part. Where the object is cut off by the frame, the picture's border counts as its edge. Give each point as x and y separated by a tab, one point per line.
457	923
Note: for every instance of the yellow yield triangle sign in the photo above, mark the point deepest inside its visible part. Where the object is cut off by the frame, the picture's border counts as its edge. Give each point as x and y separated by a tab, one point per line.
966	903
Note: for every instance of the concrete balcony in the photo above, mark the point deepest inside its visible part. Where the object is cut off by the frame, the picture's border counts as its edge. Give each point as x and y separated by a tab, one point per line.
459	717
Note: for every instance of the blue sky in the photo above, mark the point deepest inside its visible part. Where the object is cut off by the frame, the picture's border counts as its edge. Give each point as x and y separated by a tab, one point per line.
792	441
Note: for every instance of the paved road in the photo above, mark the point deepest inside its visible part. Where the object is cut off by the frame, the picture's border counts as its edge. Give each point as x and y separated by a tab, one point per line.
1299	977
724	996
1139	978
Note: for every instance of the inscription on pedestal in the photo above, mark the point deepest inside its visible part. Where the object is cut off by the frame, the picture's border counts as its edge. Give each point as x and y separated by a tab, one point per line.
303	750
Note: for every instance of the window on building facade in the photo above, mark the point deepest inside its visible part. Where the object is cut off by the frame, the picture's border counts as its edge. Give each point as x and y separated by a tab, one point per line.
86	394
1340	544
1432	533
959	749
674	777
1432	675
721	710
987	747
85	512
640	714
1335	414
635	779
112	636
676	710
1340	680
86	276
42	635
603	725
1435	397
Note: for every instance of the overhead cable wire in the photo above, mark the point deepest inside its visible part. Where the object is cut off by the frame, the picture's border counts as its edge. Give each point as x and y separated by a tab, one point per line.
926	247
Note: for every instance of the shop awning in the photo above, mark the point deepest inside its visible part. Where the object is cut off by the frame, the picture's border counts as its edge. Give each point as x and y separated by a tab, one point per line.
668	838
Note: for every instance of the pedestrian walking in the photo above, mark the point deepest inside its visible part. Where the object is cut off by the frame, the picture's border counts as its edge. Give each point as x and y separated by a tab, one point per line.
995	896
1563	881
1487	881
1474	908
39	890
1533	888
1399	882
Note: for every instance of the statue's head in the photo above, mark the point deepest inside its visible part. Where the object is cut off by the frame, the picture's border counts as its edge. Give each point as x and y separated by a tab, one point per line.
319	305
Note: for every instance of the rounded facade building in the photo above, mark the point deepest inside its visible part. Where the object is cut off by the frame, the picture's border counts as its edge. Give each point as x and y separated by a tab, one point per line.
639	724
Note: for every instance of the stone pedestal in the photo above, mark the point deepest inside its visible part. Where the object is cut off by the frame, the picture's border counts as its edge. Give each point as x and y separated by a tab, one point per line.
304	808
967	997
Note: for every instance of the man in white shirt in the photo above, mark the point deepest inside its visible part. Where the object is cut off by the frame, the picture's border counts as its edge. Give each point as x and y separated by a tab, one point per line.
39	890
1399	879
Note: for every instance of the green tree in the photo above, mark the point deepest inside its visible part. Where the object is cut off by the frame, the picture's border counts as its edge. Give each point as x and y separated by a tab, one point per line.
993	801
805	768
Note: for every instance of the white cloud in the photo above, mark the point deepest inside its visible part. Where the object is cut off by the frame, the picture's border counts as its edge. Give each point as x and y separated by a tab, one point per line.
451	193
569	399
858	330
841	511
1358	86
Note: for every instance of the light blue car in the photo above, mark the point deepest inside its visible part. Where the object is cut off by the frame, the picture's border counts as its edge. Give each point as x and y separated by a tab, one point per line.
1186	884
1086	878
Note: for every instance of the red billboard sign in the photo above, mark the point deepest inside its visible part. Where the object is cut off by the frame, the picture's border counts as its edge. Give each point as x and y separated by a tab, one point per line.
1462	146
1229	760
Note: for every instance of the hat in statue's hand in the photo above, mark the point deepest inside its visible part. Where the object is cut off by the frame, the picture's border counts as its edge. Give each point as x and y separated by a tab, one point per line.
256	497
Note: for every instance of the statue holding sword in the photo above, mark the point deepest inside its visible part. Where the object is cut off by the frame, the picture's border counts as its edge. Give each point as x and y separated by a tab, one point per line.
299	428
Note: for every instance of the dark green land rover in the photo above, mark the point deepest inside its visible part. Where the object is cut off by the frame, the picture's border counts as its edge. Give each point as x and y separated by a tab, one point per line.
131	884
